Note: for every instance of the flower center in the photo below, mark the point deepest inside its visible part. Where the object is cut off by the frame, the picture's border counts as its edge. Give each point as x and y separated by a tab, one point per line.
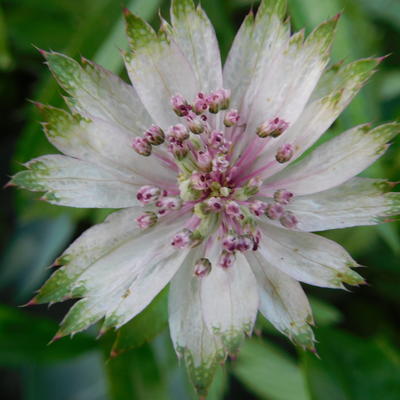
208	177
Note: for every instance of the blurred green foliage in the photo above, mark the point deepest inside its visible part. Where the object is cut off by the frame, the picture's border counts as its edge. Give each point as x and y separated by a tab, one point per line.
358	332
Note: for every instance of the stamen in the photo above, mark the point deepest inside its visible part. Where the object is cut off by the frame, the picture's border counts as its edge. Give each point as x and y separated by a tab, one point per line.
274	211
200	104
204	159
214	204
195	123
288	220
147	220
179	150
231	118
200	181
154	135
169	203
177	133
220	163
229	242
141	146
202	267
245	243
148	194
283	196
226	259
182	239
258	208
180	105
233	209
274	128
285	153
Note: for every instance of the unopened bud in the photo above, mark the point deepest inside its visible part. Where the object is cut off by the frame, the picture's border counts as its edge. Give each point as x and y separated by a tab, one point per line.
245	243
202	267
231	118
204	159
274	127
178	150
214	204
258	208
288	220
285	153
229	242
274	211
169	203
283	196
200	181
177	133
200	104
226	259
181	239
154	135
141	146
218	100
180	105
232	208
195	124
220	163
146	220
148	194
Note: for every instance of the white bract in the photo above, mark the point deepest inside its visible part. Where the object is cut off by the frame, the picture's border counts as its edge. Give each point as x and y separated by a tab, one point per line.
200	159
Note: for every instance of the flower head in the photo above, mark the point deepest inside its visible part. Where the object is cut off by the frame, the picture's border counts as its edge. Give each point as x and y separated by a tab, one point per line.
212	199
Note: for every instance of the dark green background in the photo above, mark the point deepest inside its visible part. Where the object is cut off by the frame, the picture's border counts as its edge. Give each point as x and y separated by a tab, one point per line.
358	331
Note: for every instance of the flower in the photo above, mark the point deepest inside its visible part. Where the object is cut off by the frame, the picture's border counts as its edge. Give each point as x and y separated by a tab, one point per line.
201	161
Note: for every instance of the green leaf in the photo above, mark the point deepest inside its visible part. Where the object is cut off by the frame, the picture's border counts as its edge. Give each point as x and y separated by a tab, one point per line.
353	368
41	241
269	373
324	313
143	327
136	375
24	338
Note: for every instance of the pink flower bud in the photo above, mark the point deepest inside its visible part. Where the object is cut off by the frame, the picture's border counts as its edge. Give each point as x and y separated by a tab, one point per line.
232	208
148	194
274	211
283	196
229	243
204	159
214	204
202	267
178	150
195	124
288	220
220	163
218	100
146	220
154	135
258	208
169	203
245	243
285	153
216	139
226	259
200	181
231	118
181	239
200	104
177	133
180	105
274	127
141	146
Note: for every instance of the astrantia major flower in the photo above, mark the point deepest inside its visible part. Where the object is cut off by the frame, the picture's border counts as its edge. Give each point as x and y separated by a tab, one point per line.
201	160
